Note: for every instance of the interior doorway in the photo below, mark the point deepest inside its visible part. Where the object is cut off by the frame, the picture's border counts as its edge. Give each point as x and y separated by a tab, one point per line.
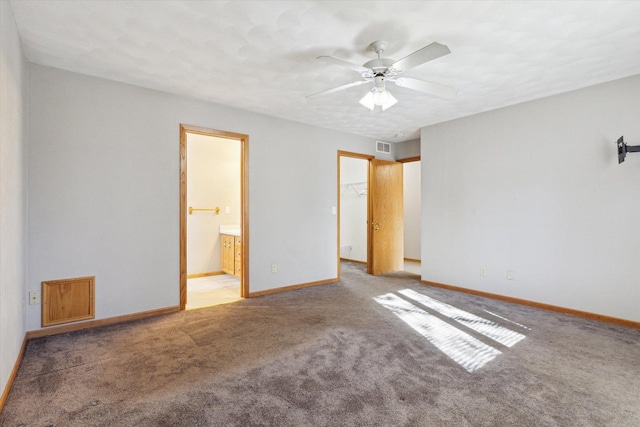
213	216
412	215
384	212
353	206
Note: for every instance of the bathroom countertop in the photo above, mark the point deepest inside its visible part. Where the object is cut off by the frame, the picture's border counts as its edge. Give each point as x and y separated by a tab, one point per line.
231	230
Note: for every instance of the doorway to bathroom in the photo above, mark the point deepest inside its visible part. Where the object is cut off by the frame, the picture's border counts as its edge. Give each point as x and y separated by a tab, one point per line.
213	217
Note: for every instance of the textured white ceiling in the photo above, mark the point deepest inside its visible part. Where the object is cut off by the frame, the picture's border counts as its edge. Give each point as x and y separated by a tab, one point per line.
260	55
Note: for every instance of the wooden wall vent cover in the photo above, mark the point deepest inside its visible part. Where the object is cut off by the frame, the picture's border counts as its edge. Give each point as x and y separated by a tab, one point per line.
68	300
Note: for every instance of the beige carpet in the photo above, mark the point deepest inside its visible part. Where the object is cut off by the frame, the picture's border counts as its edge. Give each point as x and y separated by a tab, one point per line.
383	351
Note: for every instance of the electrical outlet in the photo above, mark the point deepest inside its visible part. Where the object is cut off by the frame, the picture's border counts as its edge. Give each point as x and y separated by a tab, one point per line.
34	297
483	271
274	268
510	275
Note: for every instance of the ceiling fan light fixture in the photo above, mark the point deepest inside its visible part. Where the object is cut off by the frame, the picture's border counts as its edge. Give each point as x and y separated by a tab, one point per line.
367	101
380	97
389	102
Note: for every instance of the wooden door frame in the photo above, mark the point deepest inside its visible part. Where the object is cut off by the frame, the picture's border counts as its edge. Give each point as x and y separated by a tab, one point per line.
409	159
244	204
368	158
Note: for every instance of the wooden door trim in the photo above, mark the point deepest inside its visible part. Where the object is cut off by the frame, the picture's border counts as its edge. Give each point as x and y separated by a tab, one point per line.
355	155
244	203
409	159
367	157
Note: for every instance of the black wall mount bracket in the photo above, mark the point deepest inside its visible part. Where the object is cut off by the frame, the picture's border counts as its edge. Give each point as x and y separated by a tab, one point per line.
623	149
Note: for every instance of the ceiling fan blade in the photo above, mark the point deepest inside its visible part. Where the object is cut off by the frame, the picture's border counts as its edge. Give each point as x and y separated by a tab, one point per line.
342	63
337	89
436	89
419	57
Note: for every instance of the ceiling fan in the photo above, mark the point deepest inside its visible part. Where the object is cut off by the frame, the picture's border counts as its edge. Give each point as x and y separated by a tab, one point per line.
382	70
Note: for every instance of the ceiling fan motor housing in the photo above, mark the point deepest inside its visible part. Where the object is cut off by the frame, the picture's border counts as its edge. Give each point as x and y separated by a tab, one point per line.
379	66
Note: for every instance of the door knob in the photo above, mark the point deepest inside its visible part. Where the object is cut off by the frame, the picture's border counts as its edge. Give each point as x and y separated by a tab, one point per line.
376	225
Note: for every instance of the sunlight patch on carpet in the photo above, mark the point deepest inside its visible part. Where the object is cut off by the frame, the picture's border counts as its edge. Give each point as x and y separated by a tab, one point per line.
486	327
467	351
506	320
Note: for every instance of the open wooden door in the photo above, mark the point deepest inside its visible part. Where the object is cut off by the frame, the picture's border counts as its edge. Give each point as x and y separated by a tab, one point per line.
387	217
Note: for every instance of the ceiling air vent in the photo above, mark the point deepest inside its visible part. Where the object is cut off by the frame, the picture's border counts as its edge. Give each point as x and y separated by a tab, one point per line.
383	147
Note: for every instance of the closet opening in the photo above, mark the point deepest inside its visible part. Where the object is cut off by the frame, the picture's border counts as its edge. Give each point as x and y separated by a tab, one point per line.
353	208
370	213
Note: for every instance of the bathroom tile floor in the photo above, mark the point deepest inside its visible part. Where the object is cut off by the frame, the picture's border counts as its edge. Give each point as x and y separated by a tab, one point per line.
212	290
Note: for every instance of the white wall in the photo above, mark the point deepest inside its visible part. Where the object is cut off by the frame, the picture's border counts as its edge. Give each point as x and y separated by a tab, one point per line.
13	201
407	149
213	179
536	188
104	184
412	202
353	208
